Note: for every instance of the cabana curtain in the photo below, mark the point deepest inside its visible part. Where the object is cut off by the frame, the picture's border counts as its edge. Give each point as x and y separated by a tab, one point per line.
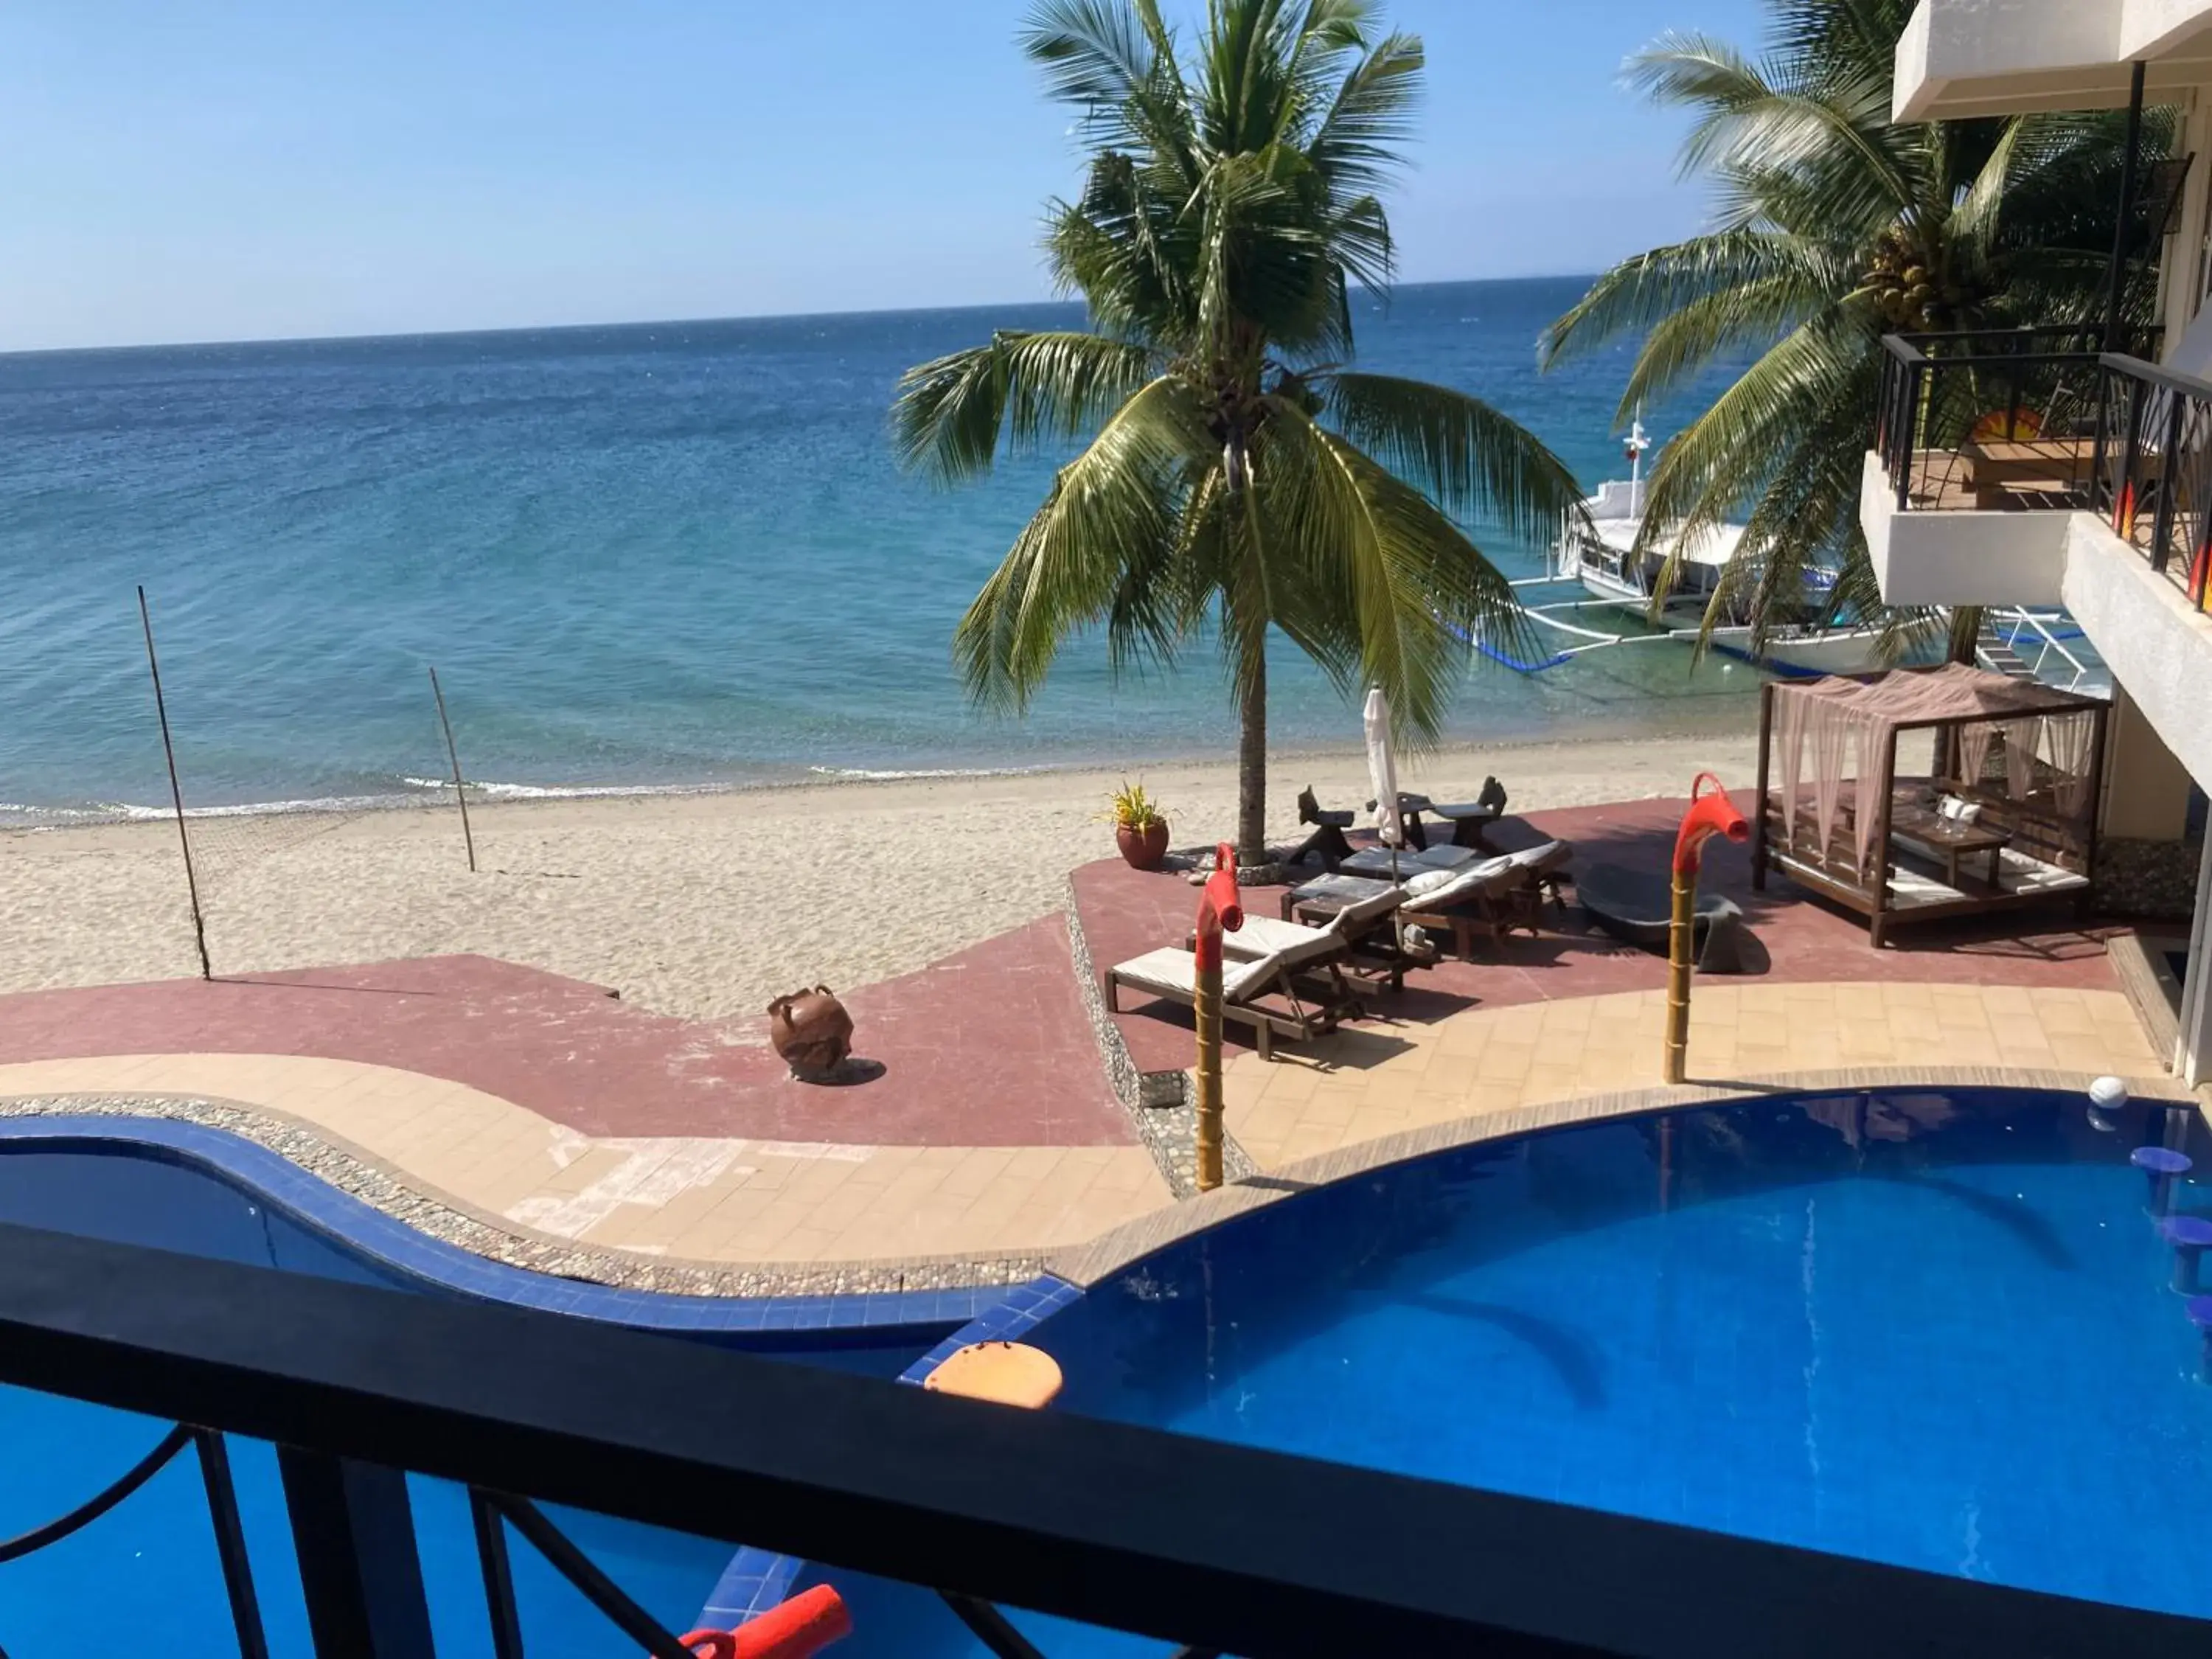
2025	755
1843	727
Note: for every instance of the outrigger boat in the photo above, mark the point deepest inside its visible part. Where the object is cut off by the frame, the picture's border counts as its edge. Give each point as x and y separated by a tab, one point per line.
1604	559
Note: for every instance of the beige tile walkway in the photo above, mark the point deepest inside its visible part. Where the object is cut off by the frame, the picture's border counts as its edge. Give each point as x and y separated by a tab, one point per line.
733	1201
695	1198
1381	1078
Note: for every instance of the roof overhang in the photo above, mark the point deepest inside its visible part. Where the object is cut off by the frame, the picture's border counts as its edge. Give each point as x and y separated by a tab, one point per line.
1962	59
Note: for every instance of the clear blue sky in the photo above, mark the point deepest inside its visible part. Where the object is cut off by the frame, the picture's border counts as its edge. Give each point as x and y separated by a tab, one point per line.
231	170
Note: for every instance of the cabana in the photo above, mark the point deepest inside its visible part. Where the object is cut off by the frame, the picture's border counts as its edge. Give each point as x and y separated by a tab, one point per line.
2000	809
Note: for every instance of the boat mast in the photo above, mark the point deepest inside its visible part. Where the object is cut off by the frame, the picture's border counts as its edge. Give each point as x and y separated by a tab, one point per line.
1637	443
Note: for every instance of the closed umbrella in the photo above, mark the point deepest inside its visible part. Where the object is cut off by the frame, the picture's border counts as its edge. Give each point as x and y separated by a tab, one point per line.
1383	773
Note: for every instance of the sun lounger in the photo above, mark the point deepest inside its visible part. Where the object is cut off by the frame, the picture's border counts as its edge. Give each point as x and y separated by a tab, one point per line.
1376	861
1263	992
1637	906
1492	897
1367	924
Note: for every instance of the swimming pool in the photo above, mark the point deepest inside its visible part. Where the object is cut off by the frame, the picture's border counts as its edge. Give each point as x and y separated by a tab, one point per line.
151	1566
1931	1328
1934	1328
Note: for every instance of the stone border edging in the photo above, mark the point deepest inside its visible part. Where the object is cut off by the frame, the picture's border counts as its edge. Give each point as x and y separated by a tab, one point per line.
1161	1104
1136	1089
1087	1265
391	1191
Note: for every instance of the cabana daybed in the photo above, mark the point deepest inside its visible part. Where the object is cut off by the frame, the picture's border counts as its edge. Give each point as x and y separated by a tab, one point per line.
2004	814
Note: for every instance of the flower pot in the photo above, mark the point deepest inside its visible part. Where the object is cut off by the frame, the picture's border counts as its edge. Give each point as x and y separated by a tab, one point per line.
1143	849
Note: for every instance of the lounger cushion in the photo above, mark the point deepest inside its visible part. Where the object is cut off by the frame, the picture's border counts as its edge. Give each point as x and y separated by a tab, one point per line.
1261	936
1355	917
1461	885
1340	890
1174	972
1375	861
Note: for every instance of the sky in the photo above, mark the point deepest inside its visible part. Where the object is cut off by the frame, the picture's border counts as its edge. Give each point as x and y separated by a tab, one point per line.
235	170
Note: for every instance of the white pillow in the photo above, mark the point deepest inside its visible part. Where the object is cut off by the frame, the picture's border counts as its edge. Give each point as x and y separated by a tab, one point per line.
1429	880
1958	811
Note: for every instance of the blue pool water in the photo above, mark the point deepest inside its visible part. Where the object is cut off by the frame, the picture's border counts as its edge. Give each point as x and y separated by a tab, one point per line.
1934	1329
151	1565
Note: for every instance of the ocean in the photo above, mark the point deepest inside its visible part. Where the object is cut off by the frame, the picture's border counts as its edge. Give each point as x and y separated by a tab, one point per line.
653	555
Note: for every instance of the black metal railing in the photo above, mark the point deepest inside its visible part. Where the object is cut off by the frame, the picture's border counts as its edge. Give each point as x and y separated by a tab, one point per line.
2016	421
2154	467
1943	392
1225	1548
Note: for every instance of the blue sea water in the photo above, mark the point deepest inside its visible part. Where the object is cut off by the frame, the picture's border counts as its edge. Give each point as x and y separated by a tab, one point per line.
653	555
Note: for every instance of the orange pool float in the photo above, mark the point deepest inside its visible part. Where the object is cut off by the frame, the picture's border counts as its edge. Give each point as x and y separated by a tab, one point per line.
1010	1373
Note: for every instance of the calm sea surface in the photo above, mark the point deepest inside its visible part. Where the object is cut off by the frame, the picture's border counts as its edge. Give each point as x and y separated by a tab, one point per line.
667	554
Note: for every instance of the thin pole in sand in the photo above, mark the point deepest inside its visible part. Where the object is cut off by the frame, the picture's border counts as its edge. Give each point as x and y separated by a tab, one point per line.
176	791
460	792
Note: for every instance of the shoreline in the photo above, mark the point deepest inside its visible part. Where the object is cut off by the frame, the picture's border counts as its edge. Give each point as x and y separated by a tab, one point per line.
426	795
701	905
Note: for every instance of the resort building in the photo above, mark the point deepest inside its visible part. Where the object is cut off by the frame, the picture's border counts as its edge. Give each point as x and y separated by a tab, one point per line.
2072	466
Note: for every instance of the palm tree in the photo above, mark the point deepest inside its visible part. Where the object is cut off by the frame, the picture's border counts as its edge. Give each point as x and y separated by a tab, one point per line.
1835	227
1238	476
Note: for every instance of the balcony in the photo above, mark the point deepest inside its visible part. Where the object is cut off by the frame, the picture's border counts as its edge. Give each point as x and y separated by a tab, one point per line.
1988	444
1224	1548
2026	467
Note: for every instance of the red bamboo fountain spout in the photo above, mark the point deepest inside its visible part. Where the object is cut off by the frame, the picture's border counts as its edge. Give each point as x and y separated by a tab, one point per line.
1711	813
1219	908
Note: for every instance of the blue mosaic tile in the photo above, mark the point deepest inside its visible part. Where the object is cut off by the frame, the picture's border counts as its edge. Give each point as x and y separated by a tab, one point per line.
386	1242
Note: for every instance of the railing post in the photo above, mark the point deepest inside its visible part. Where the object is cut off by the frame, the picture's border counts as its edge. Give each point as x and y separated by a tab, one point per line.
498	1576
1910	436
2170	455
354	1535
230	1544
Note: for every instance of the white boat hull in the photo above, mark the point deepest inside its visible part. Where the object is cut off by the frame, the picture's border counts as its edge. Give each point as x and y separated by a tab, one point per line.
1820	651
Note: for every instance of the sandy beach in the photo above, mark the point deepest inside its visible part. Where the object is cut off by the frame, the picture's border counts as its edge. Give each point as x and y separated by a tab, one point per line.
703	906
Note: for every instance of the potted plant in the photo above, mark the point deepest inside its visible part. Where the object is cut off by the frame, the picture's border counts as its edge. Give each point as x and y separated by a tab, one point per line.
1139	829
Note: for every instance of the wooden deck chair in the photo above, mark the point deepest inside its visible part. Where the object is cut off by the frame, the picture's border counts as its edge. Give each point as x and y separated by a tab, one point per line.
1327	842
1263	992
1492	898
1367	925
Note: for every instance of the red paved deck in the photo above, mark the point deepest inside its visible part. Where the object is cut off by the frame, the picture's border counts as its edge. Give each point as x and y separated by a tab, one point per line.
1126	913
990	1048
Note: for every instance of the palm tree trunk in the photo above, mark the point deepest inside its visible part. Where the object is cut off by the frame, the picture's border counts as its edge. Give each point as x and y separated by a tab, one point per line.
1965	635
1252	757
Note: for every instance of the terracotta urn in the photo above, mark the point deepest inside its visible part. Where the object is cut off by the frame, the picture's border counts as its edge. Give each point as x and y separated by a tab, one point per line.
811	1031
1143	849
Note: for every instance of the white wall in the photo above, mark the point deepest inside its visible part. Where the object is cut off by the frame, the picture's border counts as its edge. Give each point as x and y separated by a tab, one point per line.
1992	42
1965	57
2142	626
2148	27
1959	558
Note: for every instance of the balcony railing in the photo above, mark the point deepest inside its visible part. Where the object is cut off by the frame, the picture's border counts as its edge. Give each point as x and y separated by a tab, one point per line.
2029	420
1222	1548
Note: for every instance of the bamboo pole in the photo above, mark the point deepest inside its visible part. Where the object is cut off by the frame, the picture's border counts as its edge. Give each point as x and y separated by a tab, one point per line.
1680	927
460	790
176	791
1219	908
1208	1004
